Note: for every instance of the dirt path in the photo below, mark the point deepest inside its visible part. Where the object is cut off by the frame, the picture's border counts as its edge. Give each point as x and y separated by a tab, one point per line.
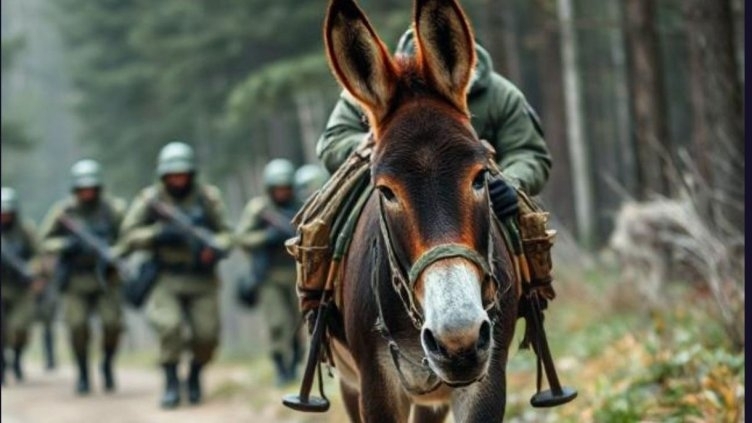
232	395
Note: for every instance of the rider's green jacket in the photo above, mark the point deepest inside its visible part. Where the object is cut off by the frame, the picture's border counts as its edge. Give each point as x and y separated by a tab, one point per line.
500	114
21	240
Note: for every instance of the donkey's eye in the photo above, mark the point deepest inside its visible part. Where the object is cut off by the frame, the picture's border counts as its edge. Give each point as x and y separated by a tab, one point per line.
480	180
387	193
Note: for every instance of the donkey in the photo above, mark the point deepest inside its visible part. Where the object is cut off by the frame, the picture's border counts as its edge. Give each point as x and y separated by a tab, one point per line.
428	301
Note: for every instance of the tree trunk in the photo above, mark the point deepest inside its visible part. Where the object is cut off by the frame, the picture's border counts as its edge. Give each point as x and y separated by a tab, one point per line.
502	39
578	149
711	34
559	187
648	98
737	12
626	150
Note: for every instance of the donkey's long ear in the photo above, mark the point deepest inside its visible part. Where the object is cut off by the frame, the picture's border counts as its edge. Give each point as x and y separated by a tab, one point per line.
446	50
358	58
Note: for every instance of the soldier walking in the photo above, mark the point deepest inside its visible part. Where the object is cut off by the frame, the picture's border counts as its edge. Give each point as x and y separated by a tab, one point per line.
262	231
80	275
182	221
20	281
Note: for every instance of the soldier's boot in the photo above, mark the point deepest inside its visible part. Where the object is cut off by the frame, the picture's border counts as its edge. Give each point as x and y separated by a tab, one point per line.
17	370
2	366
194	383
49	347
171	396
297	356
107	372
282	369
82	361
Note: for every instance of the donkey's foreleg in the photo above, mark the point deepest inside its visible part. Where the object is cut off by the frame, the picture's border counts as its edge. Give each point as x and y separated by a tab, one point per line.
351	398
380	400
428	414
485	400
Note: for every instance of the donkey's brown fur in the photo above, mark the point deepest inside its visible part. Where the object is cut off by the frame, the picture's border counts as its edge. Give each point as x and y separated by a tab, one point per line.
429	169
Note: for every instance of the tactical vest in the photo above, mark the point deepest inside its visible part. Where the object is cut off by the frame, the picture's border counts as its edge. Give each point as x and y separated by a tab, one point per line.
183	257
101	223
17	242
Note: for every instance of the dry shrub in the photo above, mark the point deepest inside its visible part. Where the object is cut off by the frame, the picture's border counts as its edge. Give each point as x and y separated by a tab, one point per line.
652	237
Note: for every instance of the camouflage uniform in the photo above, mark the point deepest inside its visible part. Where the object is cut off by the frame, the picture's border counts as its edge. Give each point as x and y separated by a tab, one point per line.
184	286
17	295
264	241
82	293
186	290
45	311
499	113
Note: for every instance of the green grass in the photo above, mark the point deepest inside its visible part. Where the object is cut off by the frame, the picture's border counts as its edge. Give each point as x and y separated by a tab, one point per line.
630	365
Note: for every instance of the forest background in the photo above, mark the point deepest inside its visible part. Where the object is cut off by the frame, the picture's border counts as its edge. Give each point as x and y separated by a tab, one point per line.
641	103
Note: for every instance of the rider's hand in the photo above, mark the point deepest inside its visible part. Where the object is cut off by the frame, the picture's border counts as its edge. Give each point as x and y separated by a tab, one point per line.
503	197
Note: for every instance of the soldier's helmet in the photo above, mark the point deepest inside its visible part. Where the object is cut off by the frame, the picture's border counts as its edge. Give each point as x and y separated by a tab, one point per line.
86	173
279	173
8	200
309	178
176	157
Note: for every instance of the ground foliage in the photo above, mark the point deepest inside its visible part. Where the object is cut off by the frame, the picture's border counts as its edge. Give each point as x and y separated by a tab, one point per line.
669	365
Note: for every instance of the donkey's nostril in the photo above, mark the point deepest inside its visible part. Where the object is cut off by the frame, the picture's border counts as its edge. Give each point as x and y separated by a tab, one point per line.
430	342
484	336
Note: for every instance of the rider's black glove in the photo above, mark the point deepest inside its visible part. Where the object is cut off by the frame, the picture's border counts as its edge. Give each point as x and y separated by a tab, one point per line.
503	198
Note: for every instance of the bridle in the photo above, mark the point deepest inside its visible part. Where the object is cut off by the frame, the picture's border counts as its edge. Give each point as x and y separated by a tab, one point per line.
403	283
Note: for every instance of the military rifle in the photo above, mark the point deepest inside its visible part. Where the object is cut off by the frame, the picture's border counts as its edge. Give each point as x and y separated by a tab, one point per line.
185	224
100	247
16	263
279	221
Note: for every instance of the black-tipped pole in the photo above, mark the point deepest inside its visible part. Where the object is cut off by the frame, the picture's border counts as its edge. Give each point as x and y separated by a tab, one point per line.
303	401
556	395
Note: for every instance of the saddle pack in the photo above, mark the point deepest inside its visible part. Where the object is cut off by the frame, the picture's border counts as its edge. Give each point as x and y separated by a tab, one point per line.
324	228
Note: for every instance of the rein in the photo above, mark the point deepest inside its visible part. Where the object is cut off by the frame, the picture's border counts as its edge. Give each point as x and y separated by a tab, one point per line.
394	349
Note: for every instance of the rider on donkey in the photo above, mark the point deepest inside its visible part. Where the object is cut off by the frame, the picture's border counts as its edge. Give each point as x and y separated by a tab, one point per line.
509	126
500	115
